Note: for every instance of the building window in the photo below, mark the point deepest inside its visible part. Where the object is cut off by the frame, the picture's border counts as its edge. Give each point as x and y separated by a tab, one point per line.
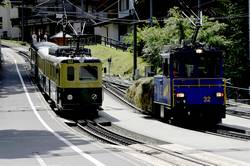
124	5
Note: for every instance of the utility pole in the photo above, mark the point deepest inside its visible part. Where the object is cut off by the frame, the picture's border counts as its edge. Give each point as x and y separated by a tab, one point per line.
249	32
198	23
82	7
135	46
22	22
151	12
82	14
64	24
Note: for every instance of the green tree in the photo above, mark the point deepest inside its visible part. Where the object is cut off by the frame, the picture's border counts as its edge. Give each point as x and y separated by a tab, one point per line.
175	29
2	2
237	58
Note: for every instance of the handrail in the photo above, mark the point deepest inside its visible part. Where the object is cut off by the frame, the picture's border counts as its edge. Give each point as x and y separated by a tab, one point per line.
97	39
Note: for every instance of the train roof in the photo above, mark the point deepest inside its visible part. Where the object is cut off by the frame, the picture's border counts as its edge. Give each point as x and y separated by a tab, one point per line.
190	51
44	53
38	45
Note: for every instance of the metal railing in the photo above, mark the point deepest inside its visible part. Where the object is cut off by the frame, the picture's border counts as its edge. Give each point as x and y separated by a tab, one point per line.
97	39
237	94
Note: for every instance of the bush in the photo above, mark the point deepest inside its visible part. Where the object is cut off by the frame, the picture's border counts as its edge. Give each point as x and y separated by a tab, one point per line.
140	93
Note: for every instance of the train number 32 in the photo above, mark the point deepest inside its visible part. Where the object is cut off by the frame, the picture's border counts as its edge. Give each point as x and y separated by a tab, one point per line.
206	99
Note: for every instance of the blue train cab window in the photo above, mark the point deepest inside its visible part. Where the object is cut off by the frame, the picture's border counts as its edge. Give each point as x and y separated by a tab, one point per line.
70	73
88	73
193	66
209	66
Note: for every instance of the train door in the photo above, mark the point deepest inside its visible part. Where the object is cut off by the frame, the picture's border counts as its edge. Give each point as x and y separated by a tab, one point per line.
58	83
162	91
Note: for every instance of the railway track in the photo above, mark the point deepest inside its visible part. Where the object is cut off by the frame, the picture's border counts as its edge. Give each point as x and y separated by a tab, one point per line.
232	132
240	114
157	153
103	134
118	90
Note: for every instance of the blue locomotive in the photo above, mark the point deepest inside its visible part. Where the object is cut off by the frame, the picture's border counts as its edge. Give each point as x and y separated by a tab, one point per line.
192	85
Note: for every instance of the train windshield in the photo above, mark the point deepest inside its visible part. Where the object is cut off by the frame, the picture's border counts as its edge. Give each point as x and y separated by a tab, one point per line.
88	73
197	66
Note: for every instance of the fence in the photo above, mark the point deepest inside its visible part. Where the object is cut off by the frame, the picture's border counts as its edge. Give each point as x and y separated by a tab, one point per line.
238	94
97	39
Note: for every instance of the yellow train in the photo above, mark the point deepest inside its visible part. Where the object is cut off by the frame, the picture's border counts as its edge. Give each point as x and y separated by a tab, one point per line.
72	79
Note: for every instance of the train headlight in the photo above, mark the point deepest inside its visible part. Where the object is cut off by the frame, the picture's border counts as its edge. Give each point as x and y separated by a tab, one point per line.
219	94
199	51
180	95
70	97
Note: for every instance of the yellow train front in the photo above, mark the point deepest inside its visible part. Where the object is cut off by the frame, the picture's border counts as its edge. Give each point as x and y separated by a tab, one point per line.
70	78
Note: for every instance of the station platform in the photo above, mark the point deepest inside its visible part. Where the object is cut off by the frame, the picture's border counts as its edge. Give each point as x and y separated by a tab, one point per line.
125	117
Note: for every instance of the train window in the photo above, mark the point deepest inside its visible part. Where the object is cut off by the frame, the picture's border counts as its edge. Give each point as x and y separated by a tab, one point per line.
176	69
209	67
189	70
88	73
203	66
70	73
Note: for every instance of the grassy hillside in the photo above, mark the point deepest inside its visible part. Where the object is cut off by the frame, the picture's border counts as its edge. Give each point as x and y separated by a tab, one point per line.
122	61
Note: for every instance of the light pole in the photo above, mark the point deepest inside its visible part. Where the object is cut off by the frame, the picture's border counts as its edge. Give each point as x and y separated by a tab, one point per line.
135	48
22	22
249	32
151	12
134	43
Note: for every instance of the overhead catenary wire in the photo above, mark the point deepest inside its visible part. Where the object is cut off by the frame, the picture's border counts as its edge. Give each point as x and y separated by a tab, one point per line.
133	6
131	21
80	9
42	3
97	16
87	15
110	6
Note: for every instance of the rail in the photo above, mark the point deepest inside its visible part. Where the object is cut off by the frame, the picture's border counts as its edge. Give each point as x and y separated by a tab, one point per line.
156	153
105	135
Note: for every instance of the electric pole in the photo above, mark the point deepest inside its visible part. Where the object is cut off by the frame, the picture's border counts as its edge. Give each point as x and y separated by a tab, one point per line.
249	31
151	12
64	24
135	45
22	22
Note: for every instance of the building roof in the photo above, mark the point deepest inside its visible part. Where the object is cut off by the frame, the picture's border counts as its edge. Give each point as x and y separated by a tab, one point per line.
60	35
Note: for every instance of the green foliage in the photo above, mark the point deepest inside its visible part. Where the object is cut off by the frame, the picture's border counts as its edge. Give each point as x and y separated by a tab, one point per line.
229	32
118	57
175	29
4	3
1	2
237	58
212	33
